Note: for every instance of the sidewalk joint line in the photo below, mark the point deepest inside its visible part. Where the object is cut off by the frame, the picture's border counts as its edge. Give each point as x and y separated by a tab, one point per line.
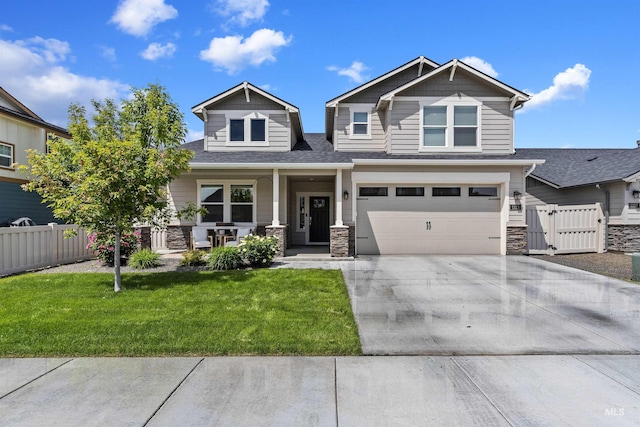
36	378
480	390
598	370
172	393
335	387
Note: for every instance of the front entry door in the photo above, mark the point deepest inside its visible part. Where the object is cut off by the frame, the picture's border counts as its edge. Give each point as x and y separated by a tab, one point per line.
318	219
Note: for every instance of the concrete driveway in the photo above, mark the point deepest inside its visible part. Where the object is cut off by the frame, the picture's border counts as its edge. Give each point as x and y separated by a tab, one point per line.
489	305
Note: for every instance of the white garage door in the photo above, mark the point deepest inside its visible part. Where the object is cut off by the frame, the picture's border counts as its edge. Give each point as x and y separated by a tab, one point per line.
456	219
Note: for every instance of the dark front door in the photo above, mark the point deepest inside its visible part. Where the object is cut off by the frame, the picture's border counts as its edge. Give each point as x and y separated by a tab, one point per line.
319	219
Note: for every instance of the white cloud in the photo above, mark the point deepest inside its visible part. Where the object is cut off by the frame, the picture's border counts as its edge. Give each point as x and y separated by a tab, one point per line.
480	65
234	53
5	27
266	87
194	135
33	71
138	17
355	72
108	53
243	12
156	51
569	84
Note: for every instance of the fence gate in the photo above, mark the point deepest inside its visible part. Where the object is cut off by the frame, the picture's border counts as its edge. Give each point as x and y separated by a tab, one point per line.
553	229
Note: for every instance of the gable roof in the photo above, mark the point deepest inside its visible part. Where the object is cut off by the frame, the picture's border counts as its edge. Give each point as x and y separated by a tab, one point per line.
518	96
245	86
19	107
418	61
573	167
21	112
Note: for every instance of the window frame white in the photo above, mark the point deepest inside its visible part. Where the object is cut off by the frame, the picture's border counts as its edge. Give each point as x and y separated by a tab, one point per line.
12	158
226	199
450	103
247	116
353	110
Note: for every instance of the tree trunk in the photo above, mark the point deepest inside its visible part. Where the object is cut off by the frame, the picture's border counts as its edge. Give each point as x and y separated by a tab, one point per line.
117	284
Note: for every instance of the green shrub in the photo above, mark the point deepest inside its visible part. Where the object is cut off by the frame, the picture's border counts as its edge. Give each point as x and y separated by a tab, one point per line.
144	258
225	258
259	251
193	258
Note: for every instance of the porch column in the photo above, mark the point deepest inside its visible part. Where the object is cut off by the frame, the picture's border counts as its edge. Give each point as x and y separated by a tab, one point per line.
338	198
276	198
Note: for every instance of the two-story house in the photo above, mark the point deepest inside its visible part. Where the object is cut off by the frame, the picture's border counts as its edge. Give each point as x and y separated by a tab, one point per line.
21	129
417	161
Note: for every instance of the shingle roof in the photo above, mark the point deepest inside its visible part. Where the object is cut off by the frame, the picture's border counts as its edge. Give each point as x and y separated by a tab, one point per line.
316	149
40	122
571	167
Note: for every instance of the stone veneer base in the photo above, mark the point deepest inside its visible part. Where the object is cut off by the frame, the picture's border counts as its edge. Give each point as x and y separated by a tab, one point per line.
342	241
624	237
517	240
279	231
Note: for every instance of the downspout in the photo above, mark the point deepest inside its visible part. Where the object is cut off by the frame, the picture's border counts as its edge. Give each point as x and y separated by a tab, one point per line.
607	202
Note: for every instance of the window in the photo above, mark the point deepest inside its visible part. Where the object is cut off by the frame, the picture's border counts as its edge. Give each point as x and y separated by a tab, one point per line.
409	191
361	123
242	203
258	130
435	127
451	125
247	128
6	155
212	198
227	201
465	125
483	191
236	130
373	192
445	191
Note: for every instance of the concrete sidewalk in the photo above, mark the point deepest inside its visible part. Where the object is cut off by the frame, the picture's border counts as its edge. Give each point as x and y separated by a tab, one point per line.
319	391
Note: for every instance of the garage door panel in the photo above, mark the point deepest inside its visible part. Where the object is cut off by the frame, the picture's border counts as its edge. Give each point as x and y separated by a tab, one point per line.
428	225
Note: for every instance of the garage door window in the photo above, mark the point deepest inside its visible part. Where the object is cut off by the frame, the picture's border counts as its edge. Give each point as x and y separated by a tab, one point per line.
483	191
445	192
409	191
374	192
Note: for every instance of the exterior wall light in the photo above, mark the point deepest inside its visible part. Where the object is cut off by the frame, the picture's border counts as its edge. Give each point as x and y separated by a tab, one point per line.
345	195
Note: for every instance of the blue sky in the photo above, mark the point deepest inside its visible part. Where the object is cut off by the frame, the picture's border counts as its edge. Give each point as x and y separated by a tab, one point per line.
580	59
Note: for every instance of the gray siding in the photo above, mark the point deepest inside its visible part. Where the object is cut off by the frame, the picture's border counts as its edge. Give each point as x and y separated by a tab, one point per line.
279	134
539	193
371	95
463	82
238	101
497	127
343	126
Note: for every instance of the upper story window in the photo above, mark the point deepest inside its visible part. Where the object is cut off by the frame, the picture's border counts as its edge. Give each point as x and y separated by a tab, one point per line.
450	124
6	155
249	129
360	122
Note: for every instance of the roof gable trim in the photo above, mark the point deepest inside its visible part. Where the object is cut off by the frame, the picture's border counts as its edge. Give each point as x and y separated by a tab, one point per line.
246	87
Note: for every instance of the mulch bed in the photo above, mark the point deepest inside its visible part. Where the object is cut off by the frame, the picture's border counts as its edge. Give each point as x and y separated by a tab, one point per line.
612	264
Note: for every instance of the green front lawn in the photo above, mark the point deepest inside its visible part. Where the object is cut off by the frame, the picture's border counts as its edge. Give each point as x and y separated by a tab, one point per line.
265	312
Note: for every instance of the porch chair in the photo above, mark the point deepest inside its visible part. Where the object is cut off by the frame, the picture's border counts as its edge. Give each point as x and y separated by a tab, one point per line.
200	238
239	237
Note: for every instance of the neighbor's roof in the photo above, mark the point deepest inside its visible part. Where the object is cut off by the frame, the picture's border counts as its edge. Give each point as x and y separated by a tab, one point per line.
573	167
21	112
315	149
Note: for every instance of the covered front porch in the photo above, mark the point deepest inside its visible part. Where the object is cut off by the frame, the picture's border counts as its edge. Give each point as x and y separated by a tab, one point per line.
308	209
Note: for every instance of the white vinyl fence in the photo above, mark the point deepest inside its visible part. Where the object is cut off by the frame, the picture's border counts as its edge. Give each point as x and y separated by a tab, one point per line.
26	248
553	229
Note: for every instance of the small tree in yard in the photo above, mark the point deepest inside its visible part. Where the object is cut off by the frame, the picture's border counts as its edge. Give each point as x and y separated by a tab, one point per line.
114	172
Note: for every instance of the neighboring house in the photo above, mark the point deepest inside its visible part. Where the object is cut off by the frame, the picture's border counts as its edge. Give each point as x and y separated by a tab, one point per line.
417	161
584	176
21	129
